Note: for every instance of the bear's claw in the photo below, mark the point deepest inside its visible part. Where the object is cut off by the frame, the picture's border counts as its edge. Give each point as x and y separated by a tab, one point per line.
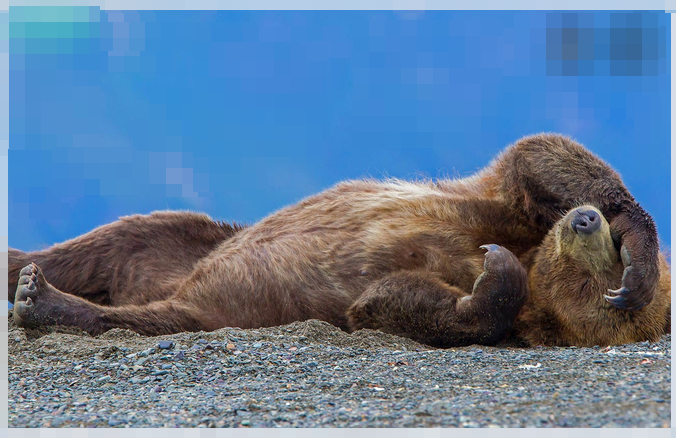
490	247
629	296
619	300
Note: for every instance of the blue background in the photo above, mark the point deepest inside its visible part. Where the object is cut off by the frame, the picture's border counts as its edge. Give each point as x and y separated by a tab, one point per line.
238	114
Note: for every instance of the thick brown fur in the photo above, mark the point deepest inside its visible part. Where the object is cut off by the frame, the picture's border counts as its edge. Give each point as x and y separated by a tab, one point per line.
568	277
403	257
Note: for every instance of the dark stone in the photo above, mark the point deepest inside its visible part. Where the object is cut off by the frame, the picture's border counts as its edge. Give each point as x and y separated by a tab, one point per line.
165	345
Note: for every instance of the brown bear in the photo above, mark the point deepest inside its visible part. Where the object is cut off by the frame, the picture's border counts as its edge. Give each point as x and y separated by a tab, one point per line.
572	259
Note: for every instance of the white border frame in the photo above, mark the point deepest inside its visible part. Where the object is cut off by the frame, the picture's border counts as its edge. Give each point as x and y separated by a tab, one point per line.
665	5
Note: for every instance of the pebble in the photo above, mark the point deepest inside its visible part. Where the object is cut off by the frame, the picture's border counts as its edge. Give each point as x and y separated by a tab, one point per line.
81	402
147	352
165	345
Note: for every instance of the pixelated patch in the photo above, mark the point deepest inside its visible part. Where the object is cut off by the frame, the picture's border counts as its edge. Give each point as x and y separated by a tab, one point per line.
615	44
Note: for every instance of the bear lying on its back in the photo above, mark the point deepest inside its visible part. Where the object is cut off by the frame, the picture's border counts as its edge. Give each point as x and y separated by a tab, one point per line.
403	257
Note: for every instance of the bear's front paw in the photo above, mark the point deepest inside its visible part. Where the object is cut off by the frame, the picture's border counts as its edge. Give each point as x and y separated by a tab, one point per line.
637	287
504	280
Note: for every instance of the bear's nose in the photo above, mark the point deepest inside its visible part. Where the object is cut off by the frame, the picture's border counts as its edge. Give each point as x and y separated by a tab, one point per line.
586	221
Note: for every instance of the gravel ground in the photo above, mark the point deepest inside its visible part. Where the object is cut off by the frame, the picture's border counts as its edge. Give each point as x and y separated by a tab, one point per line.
311	374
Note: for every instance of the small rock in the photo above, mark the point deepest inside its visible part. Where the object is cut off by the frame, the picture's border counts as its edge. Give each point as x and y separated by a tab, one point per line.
165	345
158	388
166	366
146	353
180	355
246	423
104	379
257	345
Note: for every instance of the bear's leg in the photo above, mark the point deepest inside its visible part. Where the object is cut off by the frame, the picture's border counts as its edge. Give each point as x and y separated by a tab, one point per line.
38	304
544	176
135	260
255	285
419	305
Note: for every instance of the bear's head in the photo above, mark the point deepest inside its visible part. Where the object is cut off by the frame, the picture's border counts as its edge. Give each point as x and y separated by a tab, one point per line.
574	267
